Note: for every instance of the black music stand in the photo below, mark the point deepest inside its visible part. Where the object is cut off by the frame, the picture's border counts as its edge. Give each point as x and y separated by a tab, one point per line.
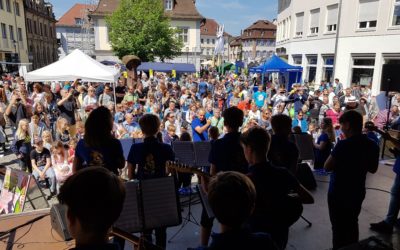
189	218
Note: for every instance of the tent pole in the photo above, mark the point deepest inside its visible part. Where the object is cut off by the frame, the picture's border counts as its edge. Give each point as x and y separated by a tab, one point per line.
115	96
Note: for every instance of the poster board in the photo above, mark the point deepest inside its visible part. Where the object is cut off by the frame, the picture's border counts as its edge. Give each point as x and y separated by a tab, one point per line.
14	191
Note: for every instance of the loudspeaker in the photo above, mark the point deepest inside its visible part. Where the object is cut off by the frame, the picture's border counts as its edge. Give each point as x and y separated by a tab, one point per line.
390	77
58	215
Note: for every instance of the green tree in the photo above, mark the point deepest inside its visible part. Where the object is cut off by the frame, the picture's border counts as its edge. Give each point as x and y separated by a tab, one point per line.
139	27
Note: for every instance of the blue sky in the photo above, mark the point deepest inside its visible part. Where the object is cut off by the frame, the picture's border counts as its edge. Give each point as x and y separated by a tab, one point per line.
235	14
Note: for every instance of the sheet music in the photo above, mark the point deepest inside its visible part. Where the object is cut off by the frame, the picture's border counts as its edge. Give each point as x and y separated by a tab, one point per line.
160	203
184	152
129	219
304	143
201	152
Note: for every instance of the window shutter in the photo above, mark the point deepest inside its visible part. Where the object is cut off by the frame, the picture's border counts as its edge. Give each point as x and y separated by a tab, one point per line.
368	10
314	18
332	15
299	22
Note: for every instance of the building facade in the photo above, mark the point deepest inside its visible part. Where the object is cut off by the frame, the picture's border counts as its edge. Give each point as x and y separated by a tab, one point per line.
75	30
349	40
208	40
235	51
13	42
183	15
258	41
41	33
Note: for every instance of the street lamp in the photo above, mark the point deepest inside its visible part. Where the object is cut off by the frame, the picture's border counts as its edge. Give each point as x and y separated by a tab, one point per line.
187	54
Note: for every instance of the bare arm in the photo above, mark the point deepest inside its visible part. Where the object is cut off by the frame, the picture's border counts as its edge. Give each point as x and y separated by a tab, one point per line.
131	171
329	163
48	164
321	146
203	128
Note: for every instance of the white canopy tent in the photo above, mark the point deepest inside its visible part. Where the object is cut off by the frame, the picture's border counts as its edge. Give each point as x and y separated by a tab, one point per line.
76	65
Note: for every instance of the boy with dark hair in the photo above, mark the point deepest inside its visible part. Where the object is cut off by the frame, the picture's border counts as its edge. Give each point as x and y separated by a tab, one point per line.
275	210
232	197
350	161
226	155
41	165
150	157
94	198
282	152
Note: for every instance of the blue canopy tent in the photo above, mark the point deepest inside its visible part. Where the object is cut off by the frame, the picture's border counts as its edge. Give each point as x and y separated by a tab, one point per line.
184	68
277	65
156	66
167	67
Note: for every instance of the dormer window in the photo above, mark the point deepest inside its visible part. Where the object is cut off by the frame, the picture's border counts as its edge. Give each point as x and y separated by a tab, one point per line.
169	4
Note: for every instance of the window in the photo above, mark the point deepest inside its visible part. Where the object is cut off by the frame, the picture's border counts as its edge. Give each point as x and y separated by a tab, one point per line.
78	21
297	59
362	70
1	5
17	9
332	18
368	14
208	41
169	4
11	29
311	68
3	31
299	24
202	40
213	41
327	69
314	21
45	30
35	27
183	34
28	25
41	29
396	13
8	5
20	38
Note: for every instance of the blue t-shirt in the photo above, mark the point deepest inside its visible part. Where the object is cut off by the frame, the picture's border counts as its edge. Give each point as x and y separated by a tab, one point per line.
107	156
241	239
150	156
322	155
227	154
202	87
259	98
352	156
196	136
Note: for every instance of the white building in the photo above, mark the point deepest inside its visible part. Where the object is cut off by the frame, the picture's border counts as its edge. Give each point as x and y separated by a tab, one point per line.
258	41
75	31
365	34
183	15
208	40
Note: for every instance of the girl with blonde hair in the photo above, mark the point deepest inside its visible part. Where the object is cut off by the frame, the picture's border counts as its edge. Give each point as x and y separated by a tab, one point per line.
21	145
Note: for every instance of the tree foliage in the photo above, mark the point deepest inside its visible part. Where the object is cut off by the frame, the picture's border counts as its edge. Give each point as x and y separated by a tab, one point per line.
139	27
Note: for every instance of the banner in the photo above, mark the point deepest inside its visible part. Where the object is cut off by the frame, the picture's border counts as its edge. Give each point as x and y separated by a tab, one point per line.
13	194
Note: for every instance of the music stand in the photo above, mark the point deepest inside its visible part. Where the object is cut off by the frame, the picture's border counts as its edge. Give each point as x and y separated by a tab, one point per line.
189	218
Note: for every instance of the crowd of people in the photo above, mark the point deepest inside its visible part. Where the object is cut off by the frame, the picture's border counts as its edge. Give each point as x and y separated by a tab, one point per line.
59	128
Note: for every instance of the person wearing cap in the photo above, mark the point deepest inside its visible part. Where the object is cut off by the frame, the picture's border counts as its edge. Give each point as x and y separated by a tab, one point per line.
41	165
353	104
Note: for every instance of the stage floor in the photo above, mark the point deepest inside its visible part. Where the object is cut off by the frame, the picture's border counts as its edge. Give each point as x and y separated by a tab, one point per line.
317	237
